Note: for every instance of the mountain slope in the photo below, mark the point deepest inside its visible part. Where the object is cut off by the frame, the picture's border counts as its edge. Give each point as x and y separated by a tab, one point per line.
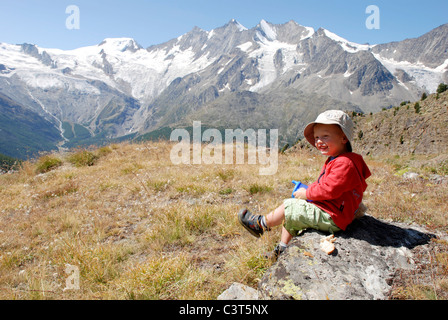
313	62
428	50
23	133
419	127
422	60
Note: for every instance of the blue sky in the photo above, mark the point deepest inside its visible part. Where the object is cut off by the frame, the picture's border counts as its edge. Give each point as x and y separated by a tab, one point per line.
43	22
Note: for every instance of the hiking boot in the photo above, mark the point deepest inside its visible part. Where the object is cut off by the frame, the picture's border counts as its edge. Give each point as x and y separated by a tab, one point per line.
251	222
273	255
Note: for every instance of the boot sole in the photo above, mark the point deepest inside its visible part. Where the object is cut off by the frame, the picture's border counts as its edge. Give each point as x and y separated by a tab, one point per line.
240	219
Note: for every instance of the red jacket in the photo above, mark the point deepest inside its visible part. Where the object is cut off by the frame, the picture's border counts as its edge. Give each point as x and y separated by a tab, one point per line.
340	187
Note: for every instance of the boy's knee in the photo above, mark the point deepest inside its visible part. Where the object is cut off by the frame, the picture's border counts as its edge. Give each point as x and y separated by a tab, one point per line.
280	210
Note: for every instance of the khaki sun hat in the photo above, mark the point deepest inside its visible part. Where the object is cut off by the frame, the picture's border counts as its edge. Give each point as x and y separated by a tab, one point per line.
331	117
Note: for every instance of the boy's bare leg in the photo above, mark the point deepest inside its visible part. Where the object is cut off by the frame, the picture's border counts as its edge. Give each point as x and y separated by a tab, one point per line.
276	218
286	236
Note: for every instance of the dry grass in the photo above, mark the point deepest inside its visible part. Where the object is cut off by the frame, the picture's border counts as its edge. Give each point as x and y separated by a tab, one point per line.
138	227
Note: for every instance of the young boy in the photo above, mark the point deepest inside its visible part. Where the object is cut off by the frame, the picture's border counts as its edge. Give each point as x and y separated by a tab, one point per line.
330	203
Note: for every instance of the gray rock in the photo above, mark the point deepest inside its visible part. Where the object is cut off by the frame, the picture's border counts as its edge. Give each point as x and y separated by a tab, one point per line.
362	267
438	179
411	175
238	291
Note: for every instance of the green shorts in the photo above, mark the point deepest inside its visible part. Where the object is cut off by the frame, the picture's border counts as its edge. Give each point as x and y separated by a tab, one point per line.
301	215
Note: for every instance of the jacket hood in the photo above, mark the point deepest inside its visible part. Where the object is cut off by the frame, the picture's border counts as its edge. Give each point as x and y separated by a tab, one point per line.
359	163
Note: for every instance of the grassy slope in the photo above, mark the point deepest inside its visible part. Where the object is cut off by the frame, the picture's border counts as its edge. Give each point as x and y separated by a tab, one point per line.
403	130
139	227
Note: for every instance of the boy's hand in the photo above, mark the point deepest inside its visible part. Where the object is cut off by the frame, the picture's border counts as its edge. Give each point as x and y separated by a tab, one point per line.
300	194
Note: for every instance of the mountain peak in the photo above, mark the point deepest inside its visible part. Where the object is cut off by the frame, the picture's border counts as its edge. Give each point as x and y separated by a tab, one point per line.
120	44
235	23
267	30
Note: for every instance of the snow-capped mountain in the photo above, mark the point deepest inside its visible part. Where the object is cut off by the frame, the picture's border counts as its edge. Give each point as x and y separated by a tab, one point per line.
268	75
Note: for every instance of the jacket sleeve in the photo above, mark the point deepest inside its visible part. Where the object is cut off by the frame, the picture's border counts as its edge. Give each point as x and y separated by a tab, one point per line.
339	177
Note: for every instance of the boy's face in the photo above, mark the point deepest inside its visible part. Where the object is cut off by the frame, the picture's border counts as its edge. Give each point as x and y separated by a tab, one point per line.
330	140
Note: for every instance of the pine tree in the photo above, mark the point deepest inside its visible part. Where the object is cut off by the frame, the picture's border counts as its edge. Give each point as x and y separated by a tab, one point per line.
417	107
442	88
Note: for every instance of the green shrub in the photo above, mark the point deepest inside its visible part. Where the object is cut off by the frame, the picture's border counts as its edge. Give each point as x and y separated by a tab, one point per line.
256	188
442	88
103	151
82	158
47	163
360	134
417	107
226	191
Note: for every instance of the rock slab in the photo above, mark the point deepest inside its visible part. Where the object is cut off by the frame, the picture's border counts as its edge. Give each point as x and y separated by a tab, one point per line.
362	267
